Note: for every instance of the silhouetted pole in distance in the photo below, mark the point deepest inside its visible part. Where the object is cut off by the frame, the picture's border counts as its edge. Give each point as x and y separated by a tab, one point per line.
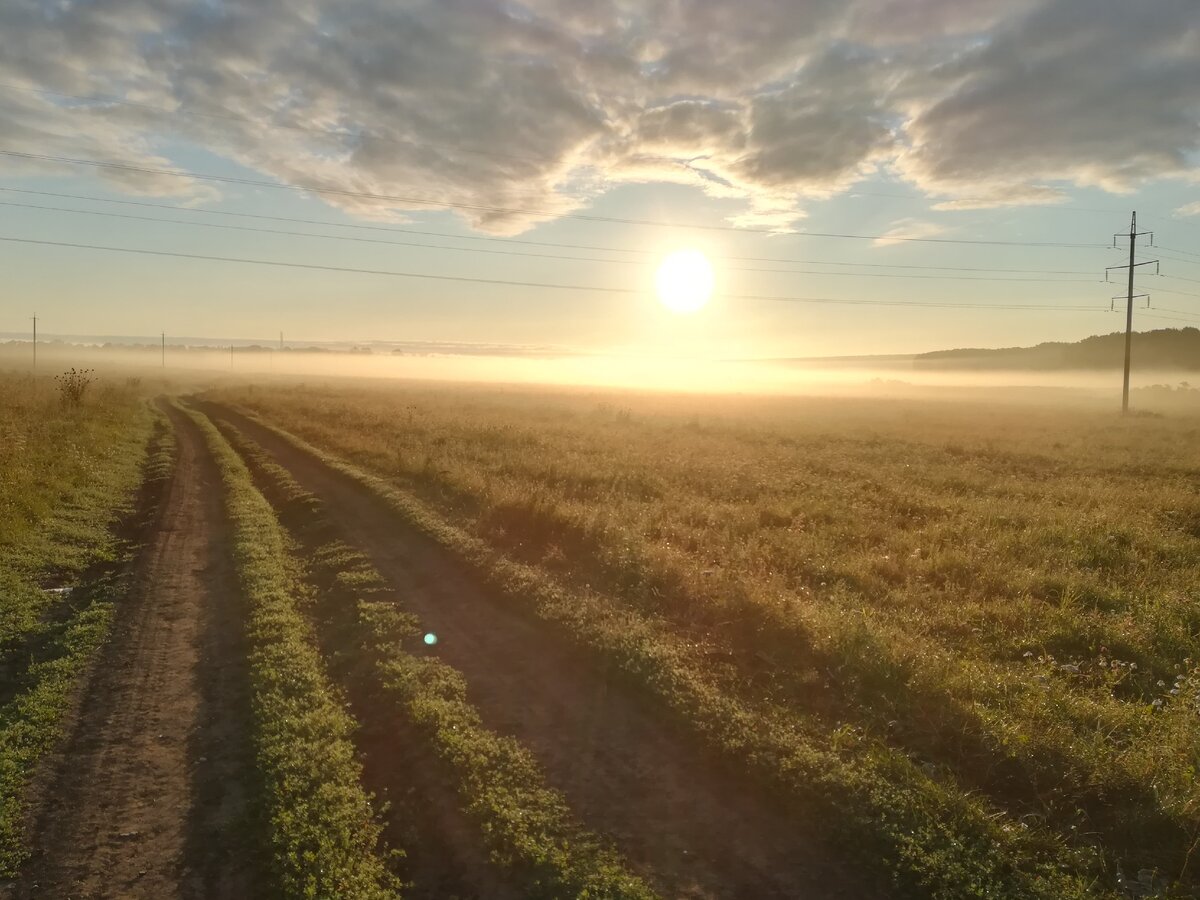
1134	234
1129	317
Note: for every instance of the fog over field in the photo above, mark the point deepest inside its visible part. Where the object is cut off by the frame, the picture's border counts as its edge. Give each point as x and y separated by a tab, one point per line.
872	376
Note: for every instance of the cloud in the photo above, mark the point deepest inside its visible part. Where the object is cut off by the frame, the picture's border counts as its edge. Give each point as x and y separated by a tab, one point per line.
516	112
909	228
1089	93
1191	209
991	197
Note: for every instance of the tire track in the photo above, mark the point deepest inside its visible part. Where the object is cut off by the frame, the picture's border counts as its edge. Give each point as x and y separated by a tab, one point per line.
150	796
691	827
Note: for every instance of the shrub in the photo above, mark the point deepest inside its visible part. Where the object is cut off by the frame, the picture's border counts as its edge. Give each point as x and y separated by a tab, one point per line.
73	384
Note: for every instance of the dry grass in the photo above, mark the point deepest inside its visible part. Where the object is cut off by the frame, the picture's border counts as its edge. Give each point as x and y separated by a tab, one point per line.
1002	596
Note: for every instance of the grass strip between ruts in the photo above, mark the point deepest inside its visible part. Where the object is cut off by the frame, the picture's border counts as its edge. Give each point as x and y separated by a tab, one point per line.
527	826
323	833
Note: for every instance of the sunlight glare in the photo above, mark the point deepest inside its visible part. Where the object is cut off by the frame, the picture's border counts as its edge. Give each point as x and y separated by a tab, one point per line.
685	281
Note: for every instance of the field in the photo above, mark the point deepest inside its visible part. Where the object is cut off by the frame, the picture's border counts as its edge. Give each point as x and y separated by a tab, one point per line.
67	478
434	641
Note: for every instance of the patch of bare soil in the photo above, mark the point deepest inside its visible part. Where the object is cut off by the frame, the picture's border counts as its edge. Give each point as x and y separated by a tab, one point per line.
149	796
693	828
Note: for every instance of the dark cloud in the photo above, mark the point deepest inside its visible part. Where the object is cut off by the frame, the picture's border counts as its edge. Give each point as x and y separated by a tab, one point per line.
819	131
1092	92
543	103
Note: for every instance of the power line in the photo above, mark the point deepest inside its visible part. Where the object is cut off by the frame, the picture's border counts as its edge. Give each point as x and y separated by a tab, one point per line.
1132	266
923	304
332	237
477	207
1171	319
1163	290
529	284
1183	252
1183	312
1181	278
1180	259
339	237
394	229
1175	220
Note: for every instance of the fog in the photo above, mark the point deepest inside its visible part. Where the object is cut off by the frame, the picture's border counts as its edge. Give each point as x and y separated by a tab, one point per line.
894	376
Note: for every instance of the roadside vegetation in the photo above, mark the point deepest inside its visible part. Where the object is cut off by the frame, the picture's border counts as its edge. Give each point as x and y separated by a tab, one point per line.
526	826
77	479
322	830
968	635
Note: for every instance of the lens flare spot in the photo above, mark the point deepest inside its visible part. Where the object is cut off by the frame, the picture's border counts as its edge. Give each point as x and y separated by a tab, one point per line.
430	638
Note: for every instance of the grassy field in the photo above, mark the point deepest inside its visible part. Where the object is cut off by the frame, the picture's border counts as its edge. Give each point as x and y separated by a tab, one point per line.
968	630
68	477
527	827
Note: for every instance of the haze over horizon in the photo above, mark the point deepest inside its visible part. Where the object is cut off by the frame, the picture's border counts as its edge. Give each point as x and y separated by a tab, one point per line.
965	165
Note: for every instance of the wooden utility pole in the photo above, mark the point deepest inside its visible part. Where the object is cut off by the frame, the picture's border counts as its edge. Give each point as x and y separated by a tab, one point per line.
1134	234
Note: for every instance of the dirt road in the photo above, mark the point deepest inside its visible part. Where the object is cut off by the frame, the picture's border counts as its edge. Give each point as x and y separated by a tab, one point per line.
694	829
148	797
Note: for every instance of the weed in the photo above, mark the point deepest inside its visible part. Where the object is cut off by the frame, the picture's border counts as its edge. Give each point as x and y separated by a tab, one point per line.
73	384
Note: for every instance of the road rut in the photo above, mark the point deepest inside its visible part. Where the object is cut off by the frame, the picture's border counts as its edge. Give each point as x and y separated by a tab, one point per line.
149	795
694	829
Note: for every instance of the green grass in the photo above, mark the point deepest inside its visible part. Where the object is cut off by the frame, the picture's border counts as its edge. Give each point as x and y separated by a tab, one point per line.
527	826
67	475
323	833
979	622
69	478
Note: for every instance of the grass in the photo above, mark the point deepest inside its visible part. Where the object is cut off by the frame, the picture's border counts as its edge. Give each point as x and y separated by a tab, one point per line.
323	833
980	622
67	498
66	476
526	825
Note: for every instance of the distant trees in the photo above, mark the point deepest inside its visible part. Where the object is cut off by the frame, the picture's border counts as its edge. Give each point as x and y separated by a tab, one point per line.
1176	349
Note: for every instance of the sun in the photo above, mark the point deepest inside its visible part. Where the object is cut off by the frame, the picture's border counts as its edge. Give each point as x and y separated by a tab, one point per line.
684	281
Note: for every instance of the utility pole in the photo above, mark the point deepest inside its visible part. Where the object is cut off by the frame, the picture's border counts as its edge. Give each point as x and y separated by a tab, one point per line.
1134	234
164	349
35	345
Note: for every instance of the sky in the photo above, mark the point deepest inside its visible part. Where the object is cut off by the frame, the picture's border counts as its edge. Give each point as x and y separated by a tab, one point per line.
539	158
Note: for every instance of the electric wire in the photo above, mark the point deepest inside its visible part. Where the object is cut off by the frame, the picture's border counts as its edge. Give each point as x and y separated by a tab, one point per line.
341	237
527	242
1181	252
529	284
